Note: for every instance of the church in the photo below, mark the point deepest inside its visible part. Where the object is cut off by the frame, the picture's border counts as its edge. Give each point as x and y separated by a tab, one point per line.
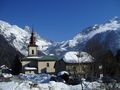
37	64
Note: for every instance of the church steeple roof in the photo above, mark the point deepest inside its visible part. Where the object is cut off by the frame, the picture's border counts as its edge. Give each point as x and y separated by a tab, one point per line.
32	39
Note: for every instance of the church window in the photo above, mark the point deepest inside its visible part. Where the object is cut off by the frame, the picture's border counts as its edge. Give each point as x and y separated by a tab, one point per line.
47	64
32	51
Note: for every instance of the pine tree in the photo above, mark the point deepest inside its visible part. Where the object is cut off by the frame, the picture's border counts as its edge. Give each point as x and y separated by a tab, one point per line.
118	56
108	63
17	66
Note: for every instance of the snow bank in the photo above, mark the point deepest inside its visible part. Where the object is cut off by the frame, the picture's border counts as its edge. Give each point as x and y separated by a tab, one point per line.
5	75
37	78
47	86
35	82
27	85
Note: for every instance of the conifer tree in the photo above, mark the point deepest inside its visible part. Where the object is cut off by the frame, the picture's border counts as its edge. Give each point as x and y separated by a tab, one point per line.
16	66
118	56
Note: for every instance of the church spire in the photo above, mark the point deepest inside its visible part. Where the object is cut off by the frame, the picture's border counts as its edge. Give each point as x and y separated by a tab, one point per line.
32	38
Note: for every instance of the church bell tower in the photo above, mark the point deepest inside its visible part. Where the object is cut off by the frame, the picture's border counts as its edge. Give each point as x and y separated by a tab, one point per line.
32	47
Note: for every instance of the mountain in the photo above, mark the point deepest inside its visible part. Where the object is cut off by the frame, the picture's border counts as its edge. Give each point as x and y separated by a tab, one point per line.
19	38
7	52
14	40
95	40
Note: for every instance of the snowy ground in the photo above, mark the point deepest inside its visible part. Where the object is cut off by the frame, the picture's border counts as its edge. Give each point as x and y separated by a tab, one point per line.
25	85
41	82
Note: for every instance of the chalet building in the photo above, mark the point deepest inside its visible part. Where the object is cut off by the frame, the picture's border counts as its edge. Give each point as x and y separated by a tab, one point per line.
37	64
76	64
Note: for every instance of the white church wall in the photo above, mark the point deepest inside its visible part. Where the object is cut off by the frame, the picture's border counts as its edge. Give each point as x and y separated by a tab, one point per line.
32	51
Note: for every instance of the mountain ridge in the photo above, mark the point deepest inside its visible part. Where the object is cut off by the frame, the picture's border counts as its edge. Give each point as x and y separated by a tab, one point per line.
19	38
80	41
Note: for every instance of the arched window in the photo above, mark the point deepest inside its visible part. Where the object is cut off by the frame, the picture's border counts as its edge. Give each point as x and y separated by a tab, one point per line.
32	51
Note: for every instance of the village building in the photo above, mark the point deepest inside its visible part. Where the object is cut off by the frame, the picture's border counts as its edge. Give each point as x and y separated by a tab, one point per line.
37	64
76	63
4	69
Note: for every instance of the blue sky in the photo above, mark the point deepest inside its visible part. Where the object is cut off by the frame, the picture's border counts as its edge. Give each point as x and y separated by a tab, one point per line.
58	20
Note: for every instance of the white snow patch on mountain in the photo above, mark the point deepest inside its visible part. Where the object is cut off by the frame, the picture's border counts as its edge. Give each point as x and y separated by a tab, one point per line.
112	25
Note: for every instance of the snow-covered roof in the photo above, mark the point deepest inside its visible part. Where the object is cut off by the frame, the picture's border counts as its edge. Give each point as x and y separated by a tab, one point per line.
30	68
29	58
62	73
42	58
33	57
77	57
4	67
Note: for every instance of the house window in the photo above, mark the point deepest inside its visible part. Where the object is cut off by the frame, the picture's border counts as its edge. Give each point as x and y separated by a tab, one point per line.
32	51
47	64
74	68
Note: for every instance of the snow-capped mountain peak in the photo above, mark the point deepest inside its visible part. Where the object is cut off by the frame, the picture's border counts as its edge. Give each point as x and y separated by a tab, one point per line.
81	39
19	38
113	25
116	18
